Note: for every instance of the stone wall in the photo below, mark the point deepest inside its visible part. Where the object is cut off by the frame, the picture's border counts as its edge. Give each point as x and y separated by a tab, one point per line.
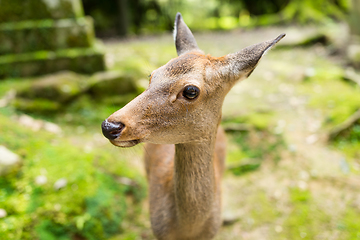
43	36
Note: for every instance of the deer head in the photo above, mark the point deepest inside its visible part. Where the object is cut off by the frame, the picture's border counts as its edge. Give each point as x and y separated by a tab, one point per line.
184	99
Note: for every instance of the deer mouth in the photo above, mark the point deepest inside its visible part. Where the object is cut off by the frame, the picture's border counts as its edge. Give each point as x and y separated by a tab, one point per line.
125	144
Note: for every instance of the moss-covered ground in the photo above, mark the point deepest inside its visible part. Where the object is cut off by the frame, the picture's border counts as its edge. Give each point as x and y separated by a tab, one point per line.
284	180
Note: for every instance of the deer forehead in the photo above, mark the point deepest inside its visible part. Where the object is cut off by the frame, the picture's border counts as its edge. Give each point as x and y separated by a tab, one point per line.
185	63
180	69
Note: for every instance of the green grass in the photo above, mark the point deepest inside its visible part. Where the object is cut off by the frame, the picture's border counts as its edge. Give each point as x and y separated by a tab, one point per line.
305	220
337	99
93	203
247	149
329	92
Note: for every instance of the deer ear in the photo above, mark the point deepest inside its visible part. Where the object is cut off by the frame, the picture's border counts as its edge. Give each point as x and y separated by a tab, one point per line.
184	39
239	65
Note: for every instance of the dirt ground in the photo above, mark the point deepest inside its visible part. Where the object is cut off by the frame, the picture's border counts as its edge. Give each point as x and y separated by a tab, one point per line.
302	186
312	192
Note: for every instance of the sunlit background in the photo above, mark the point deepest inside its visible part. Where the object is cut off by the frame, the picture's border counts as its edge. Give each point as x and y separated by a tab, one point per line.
293	127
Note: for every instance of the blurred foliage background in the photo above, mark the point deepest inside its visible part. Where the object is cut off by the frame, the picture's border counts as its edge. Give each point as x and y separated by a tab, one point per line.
293	128
124	17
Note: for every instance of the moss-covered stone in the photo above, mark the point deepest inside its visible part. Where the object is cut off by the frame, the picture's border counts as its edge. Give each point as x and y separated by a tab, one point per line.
112	83
30	36
81	60
44	36
56	92
19	10
35	105
61	87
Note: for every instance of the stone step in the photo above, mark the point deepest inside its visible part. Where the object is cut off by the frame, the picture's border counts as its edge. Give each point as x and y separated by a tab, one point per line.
81	60
31	36
20	10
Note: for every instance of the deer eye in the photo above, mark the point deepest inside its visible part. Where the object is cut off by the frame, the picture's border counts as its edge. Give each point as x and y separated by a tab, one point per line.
191	92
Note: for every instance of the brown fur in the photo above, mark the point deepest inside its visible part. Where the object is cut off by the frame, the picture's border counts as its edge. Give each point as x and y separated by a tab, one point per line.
185	150
159	162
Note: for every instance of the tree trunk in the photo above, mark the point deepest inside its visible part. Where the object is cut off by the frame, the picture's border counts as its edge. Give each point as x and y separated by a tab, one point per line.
123	22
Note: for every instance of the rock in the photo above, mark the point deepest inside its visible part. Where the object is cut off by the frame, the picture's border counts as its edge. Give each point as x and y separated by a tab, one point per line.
34	10
30	122
3	213
60	87
61	183
52	127
86	61
52	93
35	105
9	161
36	124
109	83
64	33
41	180
45	36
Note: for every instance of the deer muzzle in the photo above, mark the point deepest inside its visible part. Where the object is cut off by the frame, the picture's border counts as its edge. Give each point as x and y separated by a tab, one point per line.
112	130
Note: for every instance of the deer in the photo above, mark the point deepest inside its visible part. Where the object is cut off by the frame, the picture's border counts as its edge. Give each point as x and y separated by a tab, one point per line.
178	117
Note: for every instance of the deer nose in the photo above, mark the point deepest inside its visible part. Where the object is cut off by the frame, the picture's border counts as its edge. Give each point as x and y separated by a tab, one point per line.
111	130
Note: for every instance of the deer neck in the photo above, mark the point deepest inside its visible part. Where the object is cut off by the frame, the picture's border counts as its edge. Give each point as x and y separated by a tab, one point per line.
195	183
